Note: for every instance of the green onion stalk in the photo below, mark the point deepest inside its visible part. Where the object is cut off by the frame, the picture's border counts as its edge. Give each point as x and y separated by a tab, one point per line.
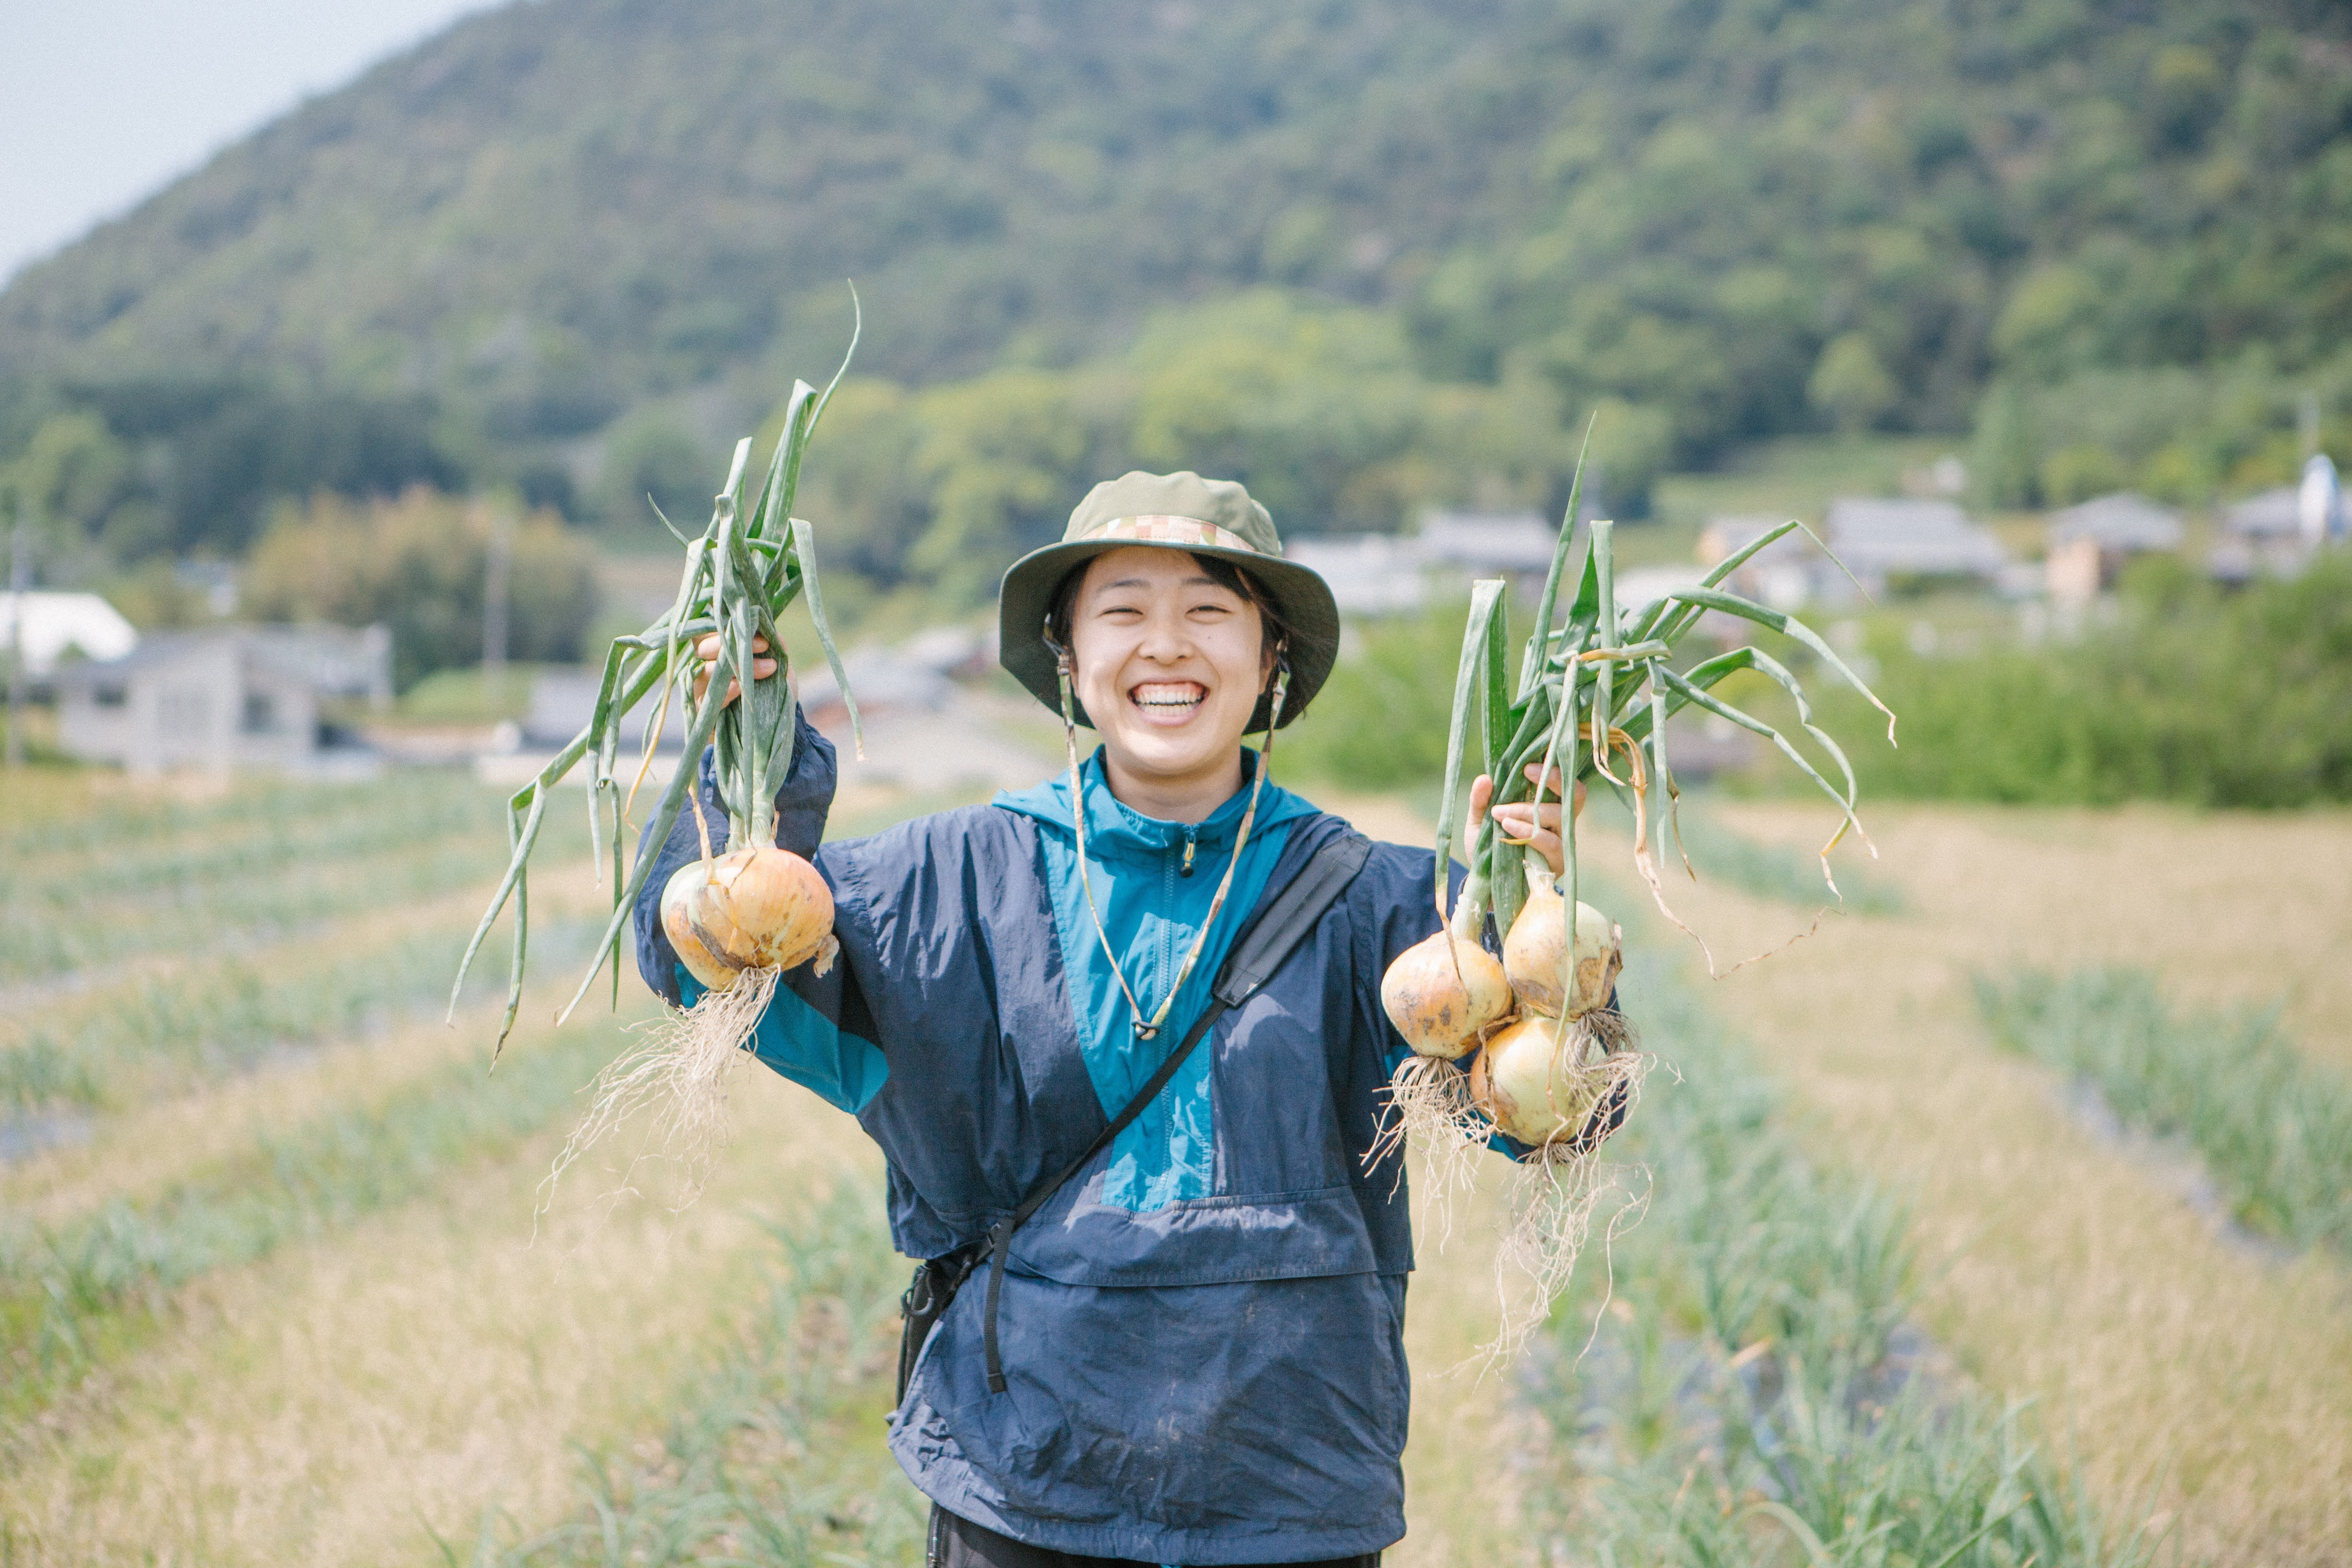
1591	701
1550	1062
752	561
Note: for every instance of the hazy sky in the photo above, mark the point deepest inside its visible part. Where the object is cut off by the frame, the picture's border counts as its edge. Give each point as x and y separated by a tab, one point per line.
102	102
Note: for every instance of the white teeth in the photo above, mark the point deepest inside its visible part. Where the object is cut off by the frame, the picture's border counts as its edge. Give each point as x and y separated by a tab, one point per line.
1169	696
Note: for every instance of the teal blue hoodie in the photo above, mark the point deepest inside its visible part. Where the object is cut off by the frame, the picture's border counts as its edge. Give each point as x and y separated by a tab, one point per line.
1153	883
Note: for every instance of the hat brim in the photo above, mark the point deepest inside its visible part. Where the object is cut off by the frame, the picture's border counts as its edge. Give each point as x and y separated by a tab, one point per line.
1299	592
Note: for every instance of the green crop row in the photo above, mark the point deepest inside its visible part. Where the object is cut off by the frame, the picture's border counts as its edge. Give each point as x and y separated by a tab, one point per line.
773	1459
119	823
191	860
159	1034
41	943
1750	1394
72	1293
2272	1128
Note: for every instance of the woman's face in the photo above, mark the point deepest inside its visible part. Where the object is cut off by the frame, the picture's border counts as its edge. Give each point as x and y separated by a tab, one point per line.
1169	663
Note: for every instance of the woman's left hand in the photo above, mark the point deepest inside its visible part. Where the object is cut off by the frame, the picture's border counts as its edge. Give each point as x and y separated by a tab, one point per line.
1525	821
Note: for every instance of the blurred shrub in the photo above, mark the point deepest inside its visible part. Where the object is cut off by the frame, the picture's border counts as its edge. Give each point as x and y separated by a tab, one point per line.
419	565
650	460
2196	695
1378	723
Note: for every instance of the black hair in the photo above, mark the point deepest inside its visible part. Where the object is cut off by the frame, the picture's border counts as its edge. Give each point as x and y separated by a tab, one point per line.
1226	575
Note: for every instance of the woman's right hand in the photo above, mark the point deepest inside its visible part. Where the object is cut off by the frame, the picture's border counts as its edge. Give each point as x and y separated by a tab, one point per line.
706	650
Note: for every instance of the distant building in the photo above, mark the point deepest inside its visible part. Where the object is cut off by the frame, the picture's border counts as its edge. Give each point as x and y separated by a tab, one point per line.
1488	544
1787	573
1369	574
2273	515
1891	541
236	697
59	627
2265	534
2090	543
1642	586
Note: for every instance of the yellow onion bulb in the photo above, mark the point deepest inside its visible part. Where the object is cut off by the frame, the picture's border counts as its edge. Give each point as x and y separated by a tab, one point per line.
761	908
1532	953
1441	990
1532	1083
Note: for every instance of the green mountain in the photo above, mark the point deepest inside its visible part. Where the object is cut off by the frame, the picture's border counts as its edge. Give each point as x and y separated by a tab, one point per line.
581	237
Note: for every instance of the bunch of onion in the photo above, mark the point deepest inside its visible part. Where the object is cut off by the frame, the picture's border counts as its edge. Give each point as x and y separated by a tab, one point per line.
737	916
1589	703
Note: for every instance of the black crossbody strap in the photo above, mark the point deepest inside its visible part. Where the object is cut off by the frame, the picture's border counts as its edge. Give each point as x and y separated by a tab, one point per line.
1269	940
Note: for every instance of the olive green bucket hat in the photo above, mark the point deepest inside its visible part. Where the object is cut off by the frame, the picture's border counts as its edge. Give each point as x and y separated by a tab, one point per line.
1174	512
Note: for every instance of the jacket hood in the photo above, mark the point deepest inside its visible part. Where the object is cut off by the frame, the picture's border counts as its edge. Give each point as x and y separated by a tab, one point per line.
1114	828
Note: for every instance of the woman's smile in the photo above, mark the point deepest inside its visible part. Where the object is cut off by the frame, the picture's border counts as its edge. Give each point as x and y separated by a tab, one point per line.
1168	702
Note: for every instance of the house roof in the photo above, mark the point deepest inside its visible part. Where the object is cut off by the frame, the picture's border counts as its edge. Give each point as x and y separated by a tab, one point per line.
2271	514
60	624
1368	573
2121	522
1930	538
1489	541
333	660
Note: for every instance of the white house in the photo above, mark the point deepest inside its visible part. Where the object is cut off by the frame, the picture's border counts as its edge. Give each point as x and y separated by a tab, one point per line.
239	697
60	627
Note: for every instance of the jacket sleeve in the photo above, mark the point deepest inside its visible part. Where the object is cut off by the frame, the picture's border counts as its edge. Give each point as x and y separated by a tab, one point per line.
817	1031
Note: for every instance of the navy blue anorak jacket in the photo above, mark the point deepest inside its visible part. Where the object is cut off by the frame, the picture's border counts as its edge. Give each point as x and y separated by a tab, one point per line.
1202	1332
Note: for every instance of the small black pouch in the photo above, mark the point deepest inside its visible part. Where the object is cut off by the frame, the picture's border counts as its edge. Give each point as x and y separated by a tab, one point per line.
927	1300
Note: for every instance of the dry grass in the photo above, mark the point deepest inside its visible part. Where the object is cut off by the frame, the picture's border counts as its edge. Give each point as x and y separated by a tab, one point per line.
424	1366
2071	1270
2229	907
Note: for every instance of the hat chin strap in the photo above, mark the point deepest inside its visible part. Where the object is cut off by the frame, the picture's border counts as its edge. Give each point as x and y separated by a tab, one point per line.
1145	1029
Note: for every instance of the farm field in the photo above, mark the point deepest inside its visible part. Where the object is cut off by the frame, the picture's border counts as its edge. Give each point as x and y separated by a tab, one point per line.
2089	1270
277	1288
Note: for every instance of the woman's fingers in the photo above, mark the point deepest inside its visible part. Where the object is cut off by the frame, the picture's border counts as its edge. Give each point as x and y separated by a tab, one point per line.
1525	822
1482	790
707	649
1550	780
1535	826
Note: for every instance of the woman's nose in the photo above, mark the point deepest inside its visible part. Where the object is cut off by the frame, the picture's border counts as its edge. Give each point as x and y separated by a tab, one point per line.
1164	641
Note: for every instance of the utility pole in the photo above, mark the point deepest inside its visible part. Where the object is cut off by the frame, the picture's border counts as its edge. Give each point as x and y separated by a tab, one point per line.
20	579
494	602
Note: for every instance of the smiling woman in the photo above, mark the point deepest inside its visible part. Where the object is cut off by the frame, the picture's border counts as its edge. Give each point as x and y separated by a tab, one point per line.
1195	1353
1170	652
